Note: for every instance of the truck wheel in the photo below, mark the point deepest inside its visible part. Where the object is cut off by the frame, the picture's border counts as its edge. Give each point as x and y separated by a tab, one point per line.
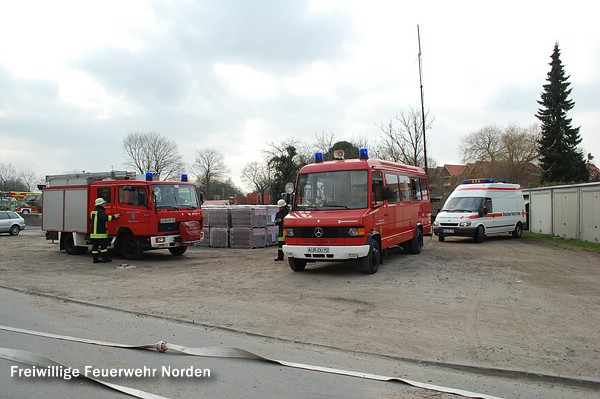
518	231
130	247
25	211
70	246
416	244
370	263
297	265
14	230
479	234
178	250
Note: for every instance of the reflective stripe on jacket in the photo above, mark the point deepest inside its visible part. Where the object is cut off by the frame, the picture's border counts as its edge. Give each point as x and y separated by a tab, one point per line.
98	219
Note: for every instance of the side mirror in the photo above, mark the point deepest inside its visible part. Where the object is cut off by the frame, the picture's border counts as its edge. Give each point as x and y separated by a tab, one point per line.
289	188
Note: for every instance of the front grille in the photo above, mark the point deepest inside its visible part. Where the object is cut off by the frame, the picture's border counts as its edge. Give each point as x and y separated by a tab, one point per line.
327	232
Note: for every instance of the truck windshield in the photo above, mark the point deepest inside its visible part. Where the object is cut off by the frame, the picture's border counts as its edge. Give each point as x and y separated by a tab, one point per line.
463	204
346	189
175	196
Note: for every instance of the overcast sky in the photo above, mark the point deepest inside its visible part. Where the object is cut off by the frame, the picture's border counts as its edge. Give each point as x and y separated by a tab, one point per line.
77	76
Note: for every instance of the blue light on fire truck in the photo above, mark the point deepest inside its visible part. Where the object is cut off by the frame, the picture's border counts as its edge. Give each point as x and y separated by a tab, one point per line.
318	157
184	177
473	181
363	153
149	176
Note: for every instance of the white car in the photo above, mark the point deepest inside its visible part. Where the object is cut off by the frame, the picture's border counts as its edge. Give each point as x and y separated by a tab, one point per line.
11	223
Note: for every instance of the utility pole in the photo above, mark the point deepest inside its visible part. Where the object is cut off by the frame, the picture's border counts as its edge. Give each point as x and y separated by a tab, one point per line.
422	105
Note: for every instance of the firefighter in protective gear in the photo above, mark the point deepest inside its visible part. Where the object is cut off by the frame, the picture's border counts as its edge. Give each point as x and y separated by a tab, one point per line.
99	234
283	211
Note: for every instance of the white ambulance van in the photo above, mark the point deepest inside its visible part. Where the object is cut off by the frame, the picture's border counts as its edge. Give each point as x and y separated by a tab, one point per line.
480	207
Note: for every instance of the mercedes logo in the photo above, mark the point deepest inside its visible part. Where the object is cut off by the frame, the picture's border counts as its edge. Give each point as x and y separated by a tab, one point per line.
318	232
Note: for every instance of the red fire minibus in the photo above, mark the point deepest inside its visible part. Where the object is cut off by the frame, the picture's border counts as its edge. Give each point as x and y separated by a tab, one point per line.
353	209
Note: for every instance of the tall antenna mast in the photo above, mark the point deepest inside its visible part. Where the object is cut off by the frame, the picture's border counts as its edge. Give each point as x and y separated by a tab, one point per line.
422	105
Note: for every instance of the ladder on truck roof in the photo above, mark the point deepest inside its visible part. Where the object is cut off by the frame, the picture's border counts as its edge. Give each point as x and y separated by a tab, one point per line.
84	178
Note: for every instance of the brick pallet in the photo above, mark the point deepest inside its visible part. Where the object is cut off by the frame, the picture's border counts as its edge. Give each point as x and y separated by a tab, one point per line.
245	237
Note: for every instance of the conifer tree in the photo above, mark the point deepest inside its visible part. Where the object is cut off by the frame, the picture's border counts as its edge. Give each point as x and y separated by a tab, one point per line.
561	160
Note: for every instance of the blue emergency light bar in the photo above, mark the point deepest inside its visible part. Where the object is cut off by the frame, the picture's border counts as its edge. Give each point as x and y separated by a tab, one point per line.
318	157
184	177
149	176
473	181
363	153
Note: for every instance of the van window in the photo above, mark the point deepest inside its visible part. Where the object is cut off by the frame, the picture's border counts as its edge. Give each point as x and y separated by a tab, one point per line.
464	204
404	187
424	191
377	187
488	206
344	189
391	182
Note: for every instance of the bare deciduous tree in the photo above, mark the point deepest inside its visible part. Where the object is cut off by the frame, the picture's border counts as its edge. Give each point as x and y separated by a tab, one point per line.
13	180
494	144
324	141
8	176
31	179
210	167
150	152
503	152
403	138
258	176
482	145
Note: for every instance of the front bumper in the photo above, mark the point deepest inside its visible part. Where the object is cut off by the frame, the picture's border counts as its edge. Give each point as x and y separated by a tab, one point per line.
455	231
165	241
325	253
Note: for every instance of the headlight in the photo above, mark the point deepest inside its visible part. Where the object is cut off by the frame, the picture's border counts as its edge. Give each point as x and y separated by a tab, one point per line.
464	224
356	231
435	223
288	232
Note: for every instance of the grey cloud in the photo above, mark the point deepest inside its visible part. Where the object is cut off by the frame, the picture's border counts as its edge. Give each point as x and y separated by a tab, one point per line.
257	32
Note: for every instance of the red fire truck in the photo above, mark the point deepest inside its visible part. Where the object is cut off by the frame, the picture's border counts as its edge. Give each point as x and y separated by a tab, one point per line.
154	214
353	209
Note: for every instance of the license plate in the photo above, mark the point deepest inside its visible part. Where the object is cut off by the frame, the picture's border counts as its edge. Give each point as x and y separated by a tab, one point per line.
318	250
447	231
